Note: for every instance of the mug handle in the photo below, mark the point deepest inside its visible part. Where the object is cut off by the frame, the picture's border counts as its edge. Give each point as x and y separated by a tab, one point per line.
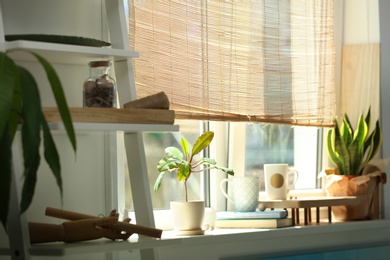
223	190
296	175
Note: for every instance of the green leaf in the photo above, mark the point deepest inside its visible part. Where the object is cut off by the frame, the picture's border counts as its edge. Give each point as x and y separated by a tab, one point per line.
5	175
224	169
330	146
368	119
348	122
356	156
167	164
202	142
208	161
346	131
361	133
7	79
375	140
157	184
14	116
184	171
342	151
174	153
59	96
51	155
184	145
31	113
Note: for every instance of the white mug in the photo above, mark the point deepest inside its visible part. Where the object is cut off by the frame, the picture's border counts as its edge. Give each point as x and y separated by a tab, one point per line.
245	192
276	178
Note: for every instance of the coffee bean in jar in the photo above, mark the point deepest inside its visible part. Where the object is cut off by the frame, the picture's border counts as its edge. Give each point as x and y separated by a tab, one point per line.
99	88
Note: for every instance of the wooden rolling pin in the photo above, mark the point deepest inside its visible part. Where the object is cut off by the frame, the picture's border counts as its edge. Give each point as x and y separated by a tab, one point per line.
155	101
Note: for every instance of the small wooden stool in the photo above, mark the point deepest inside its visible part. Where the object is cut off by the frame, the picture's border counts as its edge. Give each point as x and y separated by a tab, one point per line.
307	203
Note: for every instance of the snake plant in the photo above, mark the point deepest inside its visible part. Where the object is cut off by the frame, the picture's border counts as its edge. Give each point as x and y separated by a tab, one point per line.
183	162
20	105
350	150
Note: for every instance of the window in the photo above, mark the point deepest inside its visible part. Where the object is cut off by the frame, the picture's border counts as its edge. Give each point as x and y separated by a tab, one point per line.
254	140
296	146
252	62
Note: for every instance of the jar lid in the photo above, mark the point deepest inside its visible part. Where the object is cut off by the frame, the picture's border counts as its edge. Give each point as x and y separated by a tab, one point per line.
99	63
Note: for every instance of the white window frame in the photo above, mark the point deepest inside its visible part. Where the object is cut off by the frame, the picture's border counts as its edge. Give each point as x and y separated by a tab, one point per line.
230	144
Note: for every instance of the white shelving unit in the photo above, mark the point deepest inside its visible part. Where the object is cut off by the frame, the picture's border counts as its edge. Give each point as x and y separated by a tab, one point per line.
122	56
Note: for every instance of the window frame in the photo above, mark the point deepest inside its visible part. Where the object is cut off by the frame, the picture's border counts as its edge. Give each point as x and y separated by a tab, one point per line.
234	136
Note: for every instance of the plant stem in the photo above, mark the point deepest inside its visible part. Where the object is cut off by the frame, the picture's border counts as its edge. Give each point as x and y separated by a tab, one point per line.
185	188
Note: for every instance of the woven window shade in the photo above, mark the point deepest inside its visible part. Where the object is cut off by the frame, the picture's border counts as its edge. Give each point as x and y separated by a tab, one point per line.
257	61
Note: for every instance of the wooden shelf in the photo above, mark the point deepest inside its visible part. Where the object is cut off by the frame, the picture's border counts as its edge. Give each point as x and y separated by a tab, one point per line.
64	53
112	115
110	127
110	119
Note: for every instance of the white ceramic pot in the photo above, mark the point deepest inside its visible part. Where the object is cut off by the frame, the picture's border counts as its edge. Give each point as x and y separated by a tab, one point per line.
187	217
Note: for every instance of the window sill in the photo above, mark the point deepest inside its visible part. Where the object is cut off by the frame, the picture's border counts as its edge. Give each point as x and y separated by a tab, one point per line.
250	243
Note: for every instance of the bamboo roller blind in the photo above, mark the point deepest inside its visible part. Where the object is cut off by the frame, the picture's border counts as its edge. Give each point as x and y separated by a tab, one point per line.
257	61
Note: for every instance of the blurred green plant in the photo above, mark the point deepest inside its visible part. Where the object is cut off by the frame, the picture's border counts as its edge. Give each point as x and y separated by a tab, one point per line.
278	140
20	106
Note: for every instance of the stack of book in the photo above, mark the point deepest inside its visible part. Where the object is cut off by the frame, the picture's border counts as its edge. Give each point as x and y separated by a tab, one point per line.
257	219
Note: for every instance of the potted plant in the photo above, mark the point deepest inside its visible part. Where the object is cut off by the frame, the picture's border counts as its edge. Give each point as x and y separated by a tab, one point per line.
189	216
20	105
351	150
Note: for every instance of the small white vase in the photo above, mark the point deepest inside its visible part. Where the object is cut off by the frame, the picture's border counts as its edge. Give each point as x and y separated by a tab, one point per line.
187	217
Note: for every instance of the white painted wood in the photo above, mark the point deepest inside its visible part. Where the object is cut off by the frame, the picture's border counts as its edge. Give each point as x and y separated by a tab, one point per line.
17	225
139	181
67	54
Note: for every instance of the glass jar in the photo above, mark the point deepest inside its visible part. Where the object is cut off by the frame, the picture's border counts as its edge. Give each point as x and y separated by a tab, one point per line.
99	88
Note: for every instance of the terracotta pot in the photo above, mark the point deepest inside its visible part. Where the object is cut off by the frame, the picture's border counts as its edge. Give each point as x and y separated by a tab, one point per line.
349	186
188	217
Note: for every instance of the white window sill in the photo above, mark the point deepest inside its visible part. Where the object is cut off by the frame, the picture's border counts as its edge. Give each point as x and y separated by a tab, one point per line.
257	243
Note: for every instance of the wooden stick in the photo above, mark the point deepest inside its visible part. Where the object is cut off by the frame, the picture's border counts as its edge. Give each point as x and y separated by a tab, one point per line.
65	214
122	226
142	230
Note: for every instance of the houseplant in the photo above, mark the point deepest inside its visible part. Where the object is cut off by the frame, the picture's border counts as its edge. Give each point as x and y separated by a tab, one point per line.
184	164
20	105
351	150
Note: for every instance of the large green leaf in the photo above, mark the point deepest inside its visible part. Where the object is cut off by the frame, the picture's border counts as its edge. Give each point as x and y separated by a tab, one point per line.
355	158
202	142
7	79
184	171
157	184
5	174
31	115
368	119
174	152
59	96
330	145
51	154
224	169
361	133
167	164
14	117
208	161
375	141
341	151
346	131
184	146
